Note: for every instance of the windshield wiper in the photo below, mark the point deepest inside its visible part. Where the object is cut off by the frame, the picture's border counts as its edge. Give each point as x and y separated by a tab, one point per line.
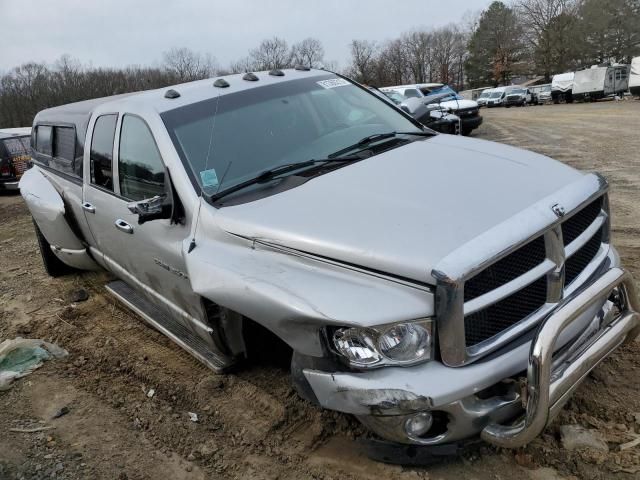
376	137
272	173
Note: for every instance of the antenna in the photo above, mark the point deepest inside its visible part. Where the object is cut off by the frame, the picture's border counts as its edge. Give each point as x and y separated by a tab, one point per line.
192	244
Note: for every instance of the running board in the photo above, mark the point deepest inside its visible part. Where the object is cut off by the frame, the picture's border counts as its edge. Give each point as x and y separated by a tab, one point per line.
173	329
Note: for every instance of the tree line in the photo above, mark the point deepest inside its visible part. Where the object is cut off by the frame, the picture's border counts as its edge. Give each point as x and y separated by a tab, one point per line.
31	87
506	40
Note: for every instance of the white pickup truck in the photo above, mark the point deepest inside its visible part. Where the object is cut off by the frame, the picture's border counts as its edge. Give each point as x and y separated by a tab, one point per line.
448	99
437	287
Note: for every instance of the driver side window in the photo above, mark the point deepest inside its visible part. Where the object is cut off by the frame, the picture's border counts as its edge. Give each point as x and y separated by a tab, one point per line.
140	166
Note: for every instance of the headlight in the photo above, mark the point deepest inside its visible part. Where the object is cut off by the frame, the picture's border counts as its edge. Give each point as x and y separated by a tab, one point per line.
357	345
405	343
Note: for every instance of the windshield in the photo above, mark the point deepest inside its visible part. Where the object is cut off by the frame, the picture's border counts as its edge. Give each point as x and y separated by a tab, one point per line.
430	91
484	95
232	138
496	95
517	91
546	88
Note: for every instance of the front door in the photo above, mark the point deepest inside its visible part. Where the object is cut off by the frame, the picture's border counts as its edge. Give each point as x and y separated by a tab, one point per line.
125	165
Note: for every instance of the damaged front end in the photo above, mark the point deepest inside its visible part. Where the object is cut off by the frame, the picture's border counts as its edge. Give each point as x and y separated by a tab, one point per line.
522	314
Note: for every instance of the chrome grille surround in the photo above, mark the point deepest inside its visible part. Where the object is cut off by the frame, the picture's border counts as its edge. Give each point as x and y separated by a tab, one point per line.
499	242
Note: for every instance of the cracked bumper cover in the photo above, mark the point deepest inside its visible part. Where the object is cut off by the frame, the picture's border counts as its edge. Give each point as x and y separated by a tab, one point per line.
383	399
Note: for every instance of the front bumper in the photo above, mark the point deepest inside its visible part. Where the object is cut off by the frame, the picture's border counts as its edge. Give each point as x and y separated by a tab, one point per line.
549	388
470	123
584	329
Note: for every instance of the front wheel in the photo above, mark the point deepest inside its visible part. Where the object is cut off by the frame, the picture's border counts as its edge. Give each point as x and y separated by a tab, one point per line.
52	264
466	131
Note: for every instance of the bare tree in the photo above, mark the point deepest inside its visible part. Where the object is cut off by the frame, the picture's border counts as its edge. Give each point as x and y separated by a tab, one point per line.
363	60
418	53
548	27
188	65
242	65
272	53
309	52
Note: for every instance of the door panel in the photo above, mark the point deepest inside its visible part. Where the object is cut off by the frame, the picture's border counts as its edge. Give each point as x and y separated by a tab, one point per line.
147	256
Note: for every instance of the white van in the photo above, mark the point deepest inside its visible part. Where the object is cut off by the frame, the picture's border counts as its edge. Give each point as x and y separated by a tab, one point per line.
484	96
497	96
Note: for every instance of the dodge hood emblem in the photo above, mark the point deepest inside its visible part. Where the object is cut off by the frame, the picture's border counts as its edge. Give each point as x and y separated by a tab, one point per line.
558	210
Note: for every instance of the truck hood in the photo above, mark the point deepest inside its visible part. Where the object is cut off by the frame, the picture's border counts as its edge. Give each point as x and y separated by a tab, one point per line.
402	211
463	104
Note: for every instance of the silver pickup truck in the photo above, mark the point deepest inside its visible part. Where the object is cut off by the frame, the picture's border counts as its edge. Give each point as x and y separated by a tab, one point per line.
436	287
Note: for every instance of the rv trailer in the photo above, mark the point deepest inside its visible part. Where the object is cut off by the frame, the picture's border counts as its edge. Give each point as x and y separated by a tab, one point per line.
600	82
634	77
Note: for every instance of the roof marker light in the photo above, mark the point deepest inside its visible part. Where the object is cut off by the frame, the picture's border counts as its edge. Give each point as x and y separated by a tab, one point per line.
250	77
221	83
302	68
171	94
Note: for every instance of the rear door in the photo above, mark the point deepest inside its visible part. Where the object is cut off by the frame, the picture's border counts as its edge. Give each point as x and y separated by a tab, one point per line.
125	165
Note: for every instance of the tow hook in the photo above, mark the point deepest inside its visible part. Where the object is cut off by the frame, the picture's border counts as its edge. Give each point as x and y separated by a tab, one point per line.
524	391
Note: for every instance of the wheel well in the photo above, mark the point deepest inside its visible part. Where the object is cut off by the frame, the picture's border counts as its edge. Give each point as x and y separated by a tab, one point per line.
263	347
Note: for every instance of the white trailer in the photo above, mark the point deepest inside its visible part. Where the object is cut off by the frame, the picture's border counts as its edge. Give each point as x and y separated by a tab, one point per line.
634	77
599	82
561	87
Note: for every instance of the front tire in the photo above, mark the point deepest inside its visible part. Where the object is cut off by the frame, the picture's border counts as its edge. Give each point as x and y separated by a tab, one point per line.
52	264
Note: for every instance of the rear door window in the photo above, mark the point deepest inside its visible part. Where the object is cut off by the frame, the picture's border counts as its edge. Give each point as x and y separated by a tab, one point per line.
101	154
140	166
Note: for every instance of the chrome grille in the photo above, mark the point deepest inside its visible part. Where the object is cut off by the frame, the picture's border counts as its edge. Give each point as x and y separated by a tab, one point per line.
524	279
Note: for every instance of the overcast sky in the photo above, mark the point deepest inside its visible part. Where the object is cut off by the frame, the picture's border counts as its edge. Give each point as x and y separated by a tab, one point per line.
128	32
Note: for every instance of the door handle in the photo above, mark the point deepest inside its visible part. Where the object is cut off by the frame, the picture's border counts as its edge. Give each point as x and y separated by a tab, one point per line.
123	226
88	207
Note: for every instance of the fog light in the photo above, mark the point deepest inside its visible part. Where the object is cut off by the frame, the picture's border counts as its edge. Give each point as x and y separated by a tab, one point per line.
418	424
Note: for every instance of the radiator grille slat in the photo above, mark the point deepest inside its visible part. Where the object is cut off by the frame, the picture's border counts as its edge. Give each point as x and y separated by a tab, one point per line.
486	323
503	271
578	223
577	262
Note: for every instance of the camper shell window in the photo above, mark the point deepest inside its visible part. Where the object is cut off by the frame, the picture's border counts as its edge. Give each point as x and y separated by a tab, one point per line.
56	147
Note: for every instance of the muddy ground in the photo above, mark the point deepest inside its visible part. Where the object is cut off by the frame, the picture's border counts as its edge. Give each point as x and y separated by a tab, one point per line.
251	424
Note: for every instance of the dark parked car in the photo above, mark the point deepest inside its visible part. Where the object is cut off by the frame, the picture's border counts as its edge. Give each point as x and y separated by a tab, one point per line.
15	155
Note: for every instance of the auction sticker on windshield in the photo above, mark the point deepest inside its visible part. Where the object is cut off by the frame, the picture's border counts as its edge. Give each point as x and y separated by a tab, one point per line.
333	83
209	178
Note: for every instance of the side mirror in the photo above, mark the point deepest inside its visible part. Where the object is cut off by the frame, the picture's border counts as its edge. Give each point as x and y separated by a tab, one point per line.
412	105
167	205
152	208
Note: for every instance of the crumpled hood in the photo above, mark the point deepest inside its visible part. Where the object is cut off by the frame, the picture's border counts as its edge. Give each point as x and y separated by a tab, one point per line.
402	211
